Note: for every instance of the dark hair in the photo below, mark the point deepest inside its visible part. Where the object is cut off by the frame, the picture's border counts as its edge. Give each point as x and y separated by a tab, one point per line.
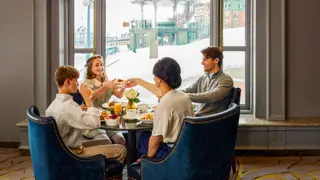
169	71
213	52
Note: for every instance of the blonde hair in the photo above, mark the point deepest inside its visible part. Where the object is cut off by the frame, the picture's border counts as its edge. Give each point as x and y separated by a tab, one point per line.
89	73
65	72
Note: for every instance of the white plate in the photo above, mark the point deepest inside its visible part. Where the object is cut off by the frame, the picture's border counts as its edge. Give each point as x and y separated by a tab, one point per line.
126	118
145	121
106	105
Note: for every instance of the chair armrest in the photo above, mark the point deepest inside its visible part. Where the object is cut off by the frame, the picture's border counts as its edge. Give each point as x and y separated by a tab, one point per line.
93	167
152	166
147	159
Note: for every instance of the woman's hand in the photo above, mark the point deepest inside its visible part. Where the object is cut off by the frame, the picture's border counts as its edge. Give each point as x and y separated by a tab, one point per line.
111	84
132	82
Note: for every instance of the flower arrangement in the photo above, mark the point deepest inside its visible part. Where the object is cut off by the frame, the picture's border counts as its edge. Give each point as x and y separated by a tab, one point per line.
132	96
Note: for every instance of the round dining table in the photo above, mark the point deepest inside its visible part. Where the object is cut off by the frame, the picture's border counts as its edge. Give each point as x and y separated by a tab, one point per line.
132	126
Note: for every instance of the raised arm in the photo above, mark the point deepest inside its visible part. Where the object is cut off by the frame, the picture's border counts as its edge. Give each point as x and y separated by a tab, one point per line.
148	86
103	87
79	119
193	87
214	95
118	92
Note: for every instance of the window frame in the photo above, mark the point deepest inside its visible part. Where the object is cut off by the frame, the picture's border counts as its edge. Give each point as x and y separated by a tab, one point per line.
246	108
99	46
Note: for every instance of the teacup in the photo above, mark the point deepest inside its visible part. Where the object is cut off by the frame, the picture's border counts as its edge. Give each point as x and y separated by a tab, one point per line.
132	114
143	107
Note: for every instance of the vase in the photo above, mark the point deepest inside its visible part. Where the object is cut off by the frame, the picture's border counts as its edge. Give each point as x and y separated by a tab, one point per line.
131	105
131	111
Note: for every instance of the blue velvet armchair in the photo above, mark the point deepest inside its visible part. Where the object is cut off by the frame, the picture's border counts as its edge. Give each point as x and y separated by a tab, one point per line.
203	150
234	97
52	160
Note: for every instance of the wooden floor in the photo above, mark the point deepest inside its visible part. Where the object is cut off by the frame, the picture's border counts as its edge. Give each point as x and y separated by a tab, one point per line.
13	166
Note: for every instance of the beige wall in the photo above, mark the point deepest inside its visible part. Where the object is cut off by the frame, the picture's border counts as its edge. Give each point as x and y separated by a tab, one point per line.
16	64
303	58
23	57
23	62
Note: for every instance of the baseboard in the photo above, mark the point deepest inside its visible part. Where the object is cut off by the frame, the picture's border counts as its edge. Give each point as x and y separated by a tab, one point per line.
24	152
276	153
9	144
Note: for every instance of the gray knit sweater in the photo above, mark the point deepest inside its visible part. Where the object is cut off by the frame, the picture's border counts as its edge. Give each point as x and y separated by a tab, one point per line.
211	91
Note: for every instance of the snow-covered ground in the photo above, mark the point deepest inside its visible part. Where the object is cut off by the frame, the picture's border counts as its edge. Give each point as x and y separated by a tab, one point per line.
127	64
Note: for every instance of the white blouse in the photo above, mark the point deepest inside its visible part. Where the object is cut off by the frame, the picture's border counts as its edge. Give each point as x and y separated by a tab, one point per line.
168	117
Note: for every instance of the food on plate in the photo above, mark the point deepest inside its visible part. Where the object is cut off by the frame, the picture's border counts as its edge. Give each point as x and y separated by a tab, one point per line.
148	116
111	104
121	80
112	116
103	115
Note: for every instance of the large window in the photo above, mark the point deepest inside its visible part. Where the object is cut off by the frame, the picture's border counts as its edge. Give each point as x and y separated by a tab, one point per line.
147	30
236	45
150	30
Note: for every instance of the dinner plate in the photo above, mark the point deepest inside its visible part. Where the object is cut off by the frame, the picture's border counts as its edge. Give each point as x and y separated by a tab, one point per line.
149	121
127	118
106	106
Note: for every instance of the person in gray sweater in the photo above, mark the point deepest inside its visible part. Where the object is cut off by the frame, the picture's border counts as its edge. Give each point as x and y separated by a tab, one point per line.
211	90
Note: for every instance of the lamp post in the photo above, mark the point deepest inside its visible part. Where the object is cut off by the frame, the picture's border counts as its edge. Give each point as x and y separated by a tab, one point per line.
134	43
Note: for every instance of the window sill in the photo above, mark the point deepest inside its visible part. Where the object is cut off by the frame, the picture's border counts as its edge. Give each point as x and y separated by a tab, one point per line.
250	120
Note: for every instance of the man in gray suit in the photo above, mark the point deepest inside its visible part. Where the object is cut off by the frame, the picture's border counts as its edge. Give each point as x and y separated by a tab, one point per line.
211	90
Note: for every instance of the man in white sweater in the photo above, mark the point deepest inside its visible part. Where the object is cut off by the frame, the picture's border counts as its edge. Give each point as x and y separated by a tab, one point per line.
72	120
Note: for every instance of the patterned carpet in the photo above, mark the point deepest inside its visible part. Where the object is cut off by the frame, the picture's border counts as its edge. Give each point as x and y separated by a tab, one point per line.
279	168
13	166
16	167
